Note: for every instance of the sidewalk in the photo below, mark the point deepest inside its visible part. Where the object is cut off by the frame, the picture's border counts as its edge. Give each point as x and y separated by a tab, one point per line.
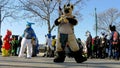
44	62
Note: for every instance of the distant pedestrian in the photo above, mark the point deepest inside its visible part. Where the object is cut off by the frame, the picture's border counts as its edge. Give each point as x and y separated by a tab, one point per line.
14	45
53	47
114	42
34	44
0	42
102	45
19	44
89	44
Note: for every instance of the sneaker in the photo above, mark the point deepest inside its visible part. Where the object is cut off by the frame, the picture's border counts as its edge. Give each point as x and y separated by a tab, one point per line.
28	57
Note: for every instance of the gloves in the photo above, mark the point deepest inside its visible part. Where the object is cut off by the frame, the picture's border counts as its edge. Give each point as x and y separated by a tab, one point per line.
63	19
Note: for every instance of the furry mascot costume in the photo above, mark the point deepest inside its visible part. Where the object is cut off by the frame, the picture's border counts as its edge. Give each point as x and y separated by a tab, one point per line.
6	44
28	35
66	36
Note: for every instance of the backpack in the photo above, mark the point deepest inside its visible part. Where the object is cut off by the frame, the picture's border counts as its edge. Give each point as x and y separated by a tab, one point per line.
115	38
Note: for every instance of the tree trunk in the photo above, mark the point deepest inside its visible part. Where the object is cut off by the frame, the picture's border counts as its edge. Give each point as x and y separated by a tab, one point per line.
0	20
48	23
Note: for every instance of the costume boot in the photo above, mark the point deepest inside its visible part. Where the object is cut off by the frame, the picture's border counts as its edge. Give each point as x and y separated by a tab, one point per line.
60	57
78	57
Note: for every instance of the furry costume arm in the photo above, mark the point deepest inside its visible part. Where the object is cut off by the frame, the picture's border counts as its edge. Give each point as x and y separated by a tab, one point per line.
72	21
57	22
61	19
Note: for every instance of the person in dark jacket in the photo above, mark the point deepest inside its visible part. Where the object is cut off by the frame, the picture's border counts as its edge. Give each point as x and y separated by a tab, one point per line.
0	42
89	44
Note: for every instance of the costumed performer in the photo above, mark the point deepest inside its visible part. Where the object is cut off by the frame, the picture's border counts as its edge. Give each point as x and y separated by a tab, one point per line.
66	23
26	41
6	44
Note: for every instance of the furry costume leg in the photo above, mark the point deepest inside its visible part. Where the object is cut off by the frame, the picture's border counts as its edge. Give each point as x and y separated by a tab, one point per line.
78	57
26	43
60	57
76	51
5	52
61	43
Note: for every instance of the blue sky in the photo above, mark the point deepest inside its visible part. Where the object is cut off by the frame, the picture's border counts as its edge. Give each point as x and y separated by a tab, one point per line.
86	24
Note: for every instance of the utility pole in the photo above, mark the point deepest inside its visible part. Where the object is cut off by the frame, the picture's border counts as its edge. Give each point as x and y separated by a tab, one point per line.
0	19
96	21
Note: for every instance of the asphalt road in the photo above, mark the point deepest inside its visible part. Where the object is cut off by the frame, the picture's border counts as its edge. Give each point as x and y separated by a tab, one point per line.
43	62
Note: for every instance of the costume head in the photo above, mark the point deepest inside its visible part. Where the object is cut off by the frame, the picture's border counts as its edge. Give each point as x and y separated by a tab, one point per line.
53	37
68	9
9	33
112	28
49	35
29	24
88	34
103	33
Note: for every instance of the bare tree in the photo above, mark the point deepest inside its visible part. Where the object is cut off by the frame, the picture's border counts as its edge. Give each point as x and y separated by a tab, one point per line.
109	17
44	10
6	10
3	12
39	9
